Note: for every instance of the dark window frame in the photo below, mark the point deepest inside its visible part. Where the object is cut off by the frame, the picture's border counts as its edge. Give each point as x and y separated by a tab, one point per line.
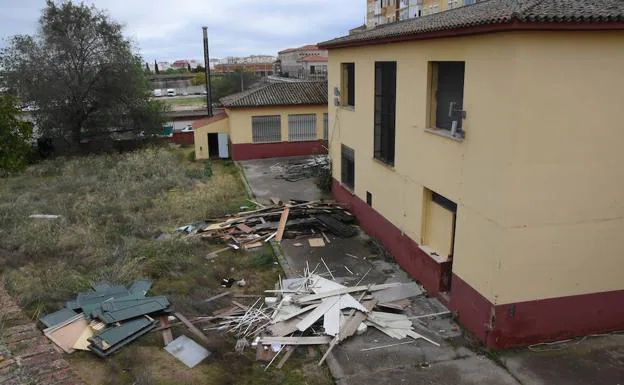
444	202
348	84
385	112
347	167
443	90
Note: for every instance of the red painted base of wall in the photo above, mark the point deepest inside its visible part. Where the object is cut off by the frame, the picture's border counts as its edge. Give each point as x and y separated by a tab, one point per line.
404	250
497	326
184	138
275	150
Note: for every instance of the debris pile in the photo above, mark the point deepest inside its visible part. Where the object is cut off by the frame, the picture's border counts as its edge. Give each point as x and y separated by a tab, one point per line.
248	229
295	171
313	310
105	319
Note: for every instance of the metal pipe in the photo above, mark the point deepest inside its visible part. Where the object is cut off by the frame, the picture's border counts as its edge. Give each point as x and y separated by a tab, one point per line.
207	70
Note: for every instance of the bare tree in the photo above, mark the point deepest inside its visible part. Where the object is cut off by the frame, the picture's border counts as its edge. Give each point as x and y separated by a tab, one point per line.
82	75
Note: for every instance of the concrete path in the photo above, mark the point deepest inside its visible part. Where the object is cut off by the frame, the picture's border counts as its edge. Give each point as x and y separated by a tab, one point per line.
265	184
29	358
594	361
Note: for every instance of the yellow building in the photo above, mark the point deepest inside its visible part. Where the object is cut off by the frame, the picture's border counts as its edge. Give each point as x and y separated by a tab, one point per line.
279	119
481	146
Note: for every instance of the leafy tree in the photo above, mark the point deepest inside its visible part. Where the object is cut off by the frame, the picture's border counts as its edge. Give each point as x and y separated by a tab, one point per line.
188	67
82	74
199	69
156	68
15	136
147	69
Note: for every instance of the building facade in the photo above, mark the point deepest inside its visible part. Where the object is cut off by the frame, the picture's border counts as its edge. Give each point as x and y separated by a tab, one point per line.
290	60
488	164
277	120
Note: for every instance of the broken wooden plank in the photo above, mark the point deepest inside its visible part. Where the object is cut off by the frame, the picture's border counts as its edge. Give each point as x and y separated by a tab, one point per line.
317	313
221	295
276	201
387	346
416	336
296	313
345	290
319	340
282	225
284	328
326	237
349	327
192	328
403	291
289	351
253	245
240	305
166	331
244	228
215	253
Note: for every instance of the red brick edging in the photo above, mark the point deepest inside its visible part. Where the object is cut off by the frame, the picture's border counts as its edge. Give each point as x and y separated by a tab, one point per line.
29	358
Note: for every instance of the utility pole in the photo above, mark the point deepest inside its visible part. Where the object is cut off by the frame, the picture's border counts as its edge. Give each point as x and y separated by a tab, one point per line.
207	68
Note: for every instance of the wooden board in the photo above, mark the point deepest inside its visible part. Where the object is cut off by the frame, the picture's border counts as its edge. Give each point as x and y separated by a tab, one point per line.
316	242
284	328
321	340
192	328
282	225
166	332
67	334
244	228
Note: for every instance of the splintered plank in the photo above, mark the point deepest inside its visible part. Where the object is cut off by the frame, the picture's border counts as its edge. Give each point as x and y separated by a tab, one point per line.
320	340
282	225
166	332
192	328
244	228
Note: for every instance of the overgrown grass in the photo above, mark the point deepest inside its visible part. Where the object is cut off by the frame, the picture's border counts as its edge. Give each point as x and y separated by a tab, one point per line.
113	208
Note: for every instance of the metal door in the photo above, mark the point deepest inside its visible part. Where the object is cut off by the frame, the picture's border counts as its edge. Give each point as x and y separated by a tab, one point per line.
450	90
223	146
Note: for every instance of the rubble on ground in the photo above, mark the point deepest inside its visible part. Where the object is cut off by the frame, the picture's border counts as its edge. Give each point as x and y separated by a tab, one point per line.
248	229
294	171
313	310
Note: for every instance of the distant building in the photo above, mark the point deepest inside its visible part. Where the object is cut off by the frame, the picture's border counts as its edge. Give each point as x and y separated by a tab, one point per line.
313	68
180	64
290	60
259	69
252	59
381	12
278	119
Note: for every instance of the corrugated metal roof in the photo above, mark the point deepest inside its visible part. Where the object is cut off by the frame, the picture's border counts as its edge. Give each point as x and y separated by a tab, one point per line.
492	12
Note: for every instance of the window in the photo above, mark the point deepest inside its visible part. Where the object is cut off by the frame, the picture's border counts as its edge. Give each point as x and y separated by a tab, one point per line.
446	95
469	2
385	109
301	127
266	129
369	198
326	126
348	84
452	3
347	165
312	69
440	219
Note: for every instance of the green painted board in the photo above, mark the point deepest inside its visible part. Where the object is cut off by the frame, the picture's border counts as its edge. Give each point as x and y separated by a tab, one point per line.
123	303
141	286
101	286
132	333
57	317
127	313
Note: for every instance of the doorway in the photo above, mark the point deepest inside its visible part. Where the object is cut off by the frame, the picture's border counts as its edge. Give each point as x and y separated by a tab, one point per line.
213	146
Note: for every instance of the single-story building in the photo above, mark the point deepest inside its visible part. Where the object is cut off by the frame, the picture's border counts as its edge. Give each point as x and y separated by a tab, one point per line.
274	120
483	147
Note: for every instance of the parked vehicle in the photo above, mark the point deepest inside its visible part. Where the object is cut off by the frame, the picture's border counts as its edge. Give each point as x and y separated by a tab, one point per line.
188	128
157	93
171	92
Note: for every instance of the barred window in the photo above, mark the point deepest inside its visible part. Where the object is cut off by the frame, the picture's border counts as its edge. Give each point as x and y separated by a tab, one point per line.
326	126
301	127
266	129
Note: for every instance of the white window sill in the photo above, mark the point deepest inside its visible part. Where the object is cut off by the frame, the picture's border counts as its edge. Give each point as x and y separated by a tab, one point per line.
433	254
347	108
444	133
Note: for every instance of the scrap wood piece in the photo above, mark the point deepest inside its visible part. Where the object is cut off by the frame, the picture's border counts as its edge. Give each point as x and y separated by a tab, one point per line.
349	327
387	346
403	291
192	327
316	242
82	342
289	351
282	225
416	336
217	296
244	228
317	313
294	314
344	290
331	320
187	351
215	253
284	328
253	245
65	334
108	341
240	305
276	201
166	332
319	340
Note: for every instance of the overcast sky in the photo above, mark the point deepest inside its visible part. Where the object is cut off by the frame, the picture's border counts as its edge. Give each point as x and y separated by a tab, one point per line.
171	29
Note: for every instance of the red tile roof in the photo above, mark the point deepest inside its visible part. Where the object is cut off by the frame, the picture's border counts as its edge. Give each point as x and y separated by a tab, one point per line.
314	58
206	121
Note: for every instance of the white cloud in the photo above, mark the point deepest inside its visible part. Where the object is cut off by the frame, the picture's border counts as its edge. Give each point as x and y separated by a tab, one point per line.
170	29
